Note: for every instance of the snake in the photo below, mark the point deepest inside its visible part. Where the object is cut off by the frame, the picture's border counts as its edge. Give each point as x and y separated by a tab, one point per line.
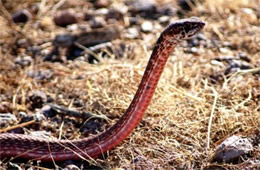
53	149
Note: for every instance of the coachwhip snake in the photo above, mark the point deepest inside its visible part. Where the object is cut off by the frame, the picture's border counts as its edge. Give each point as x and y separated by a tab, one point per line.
30	147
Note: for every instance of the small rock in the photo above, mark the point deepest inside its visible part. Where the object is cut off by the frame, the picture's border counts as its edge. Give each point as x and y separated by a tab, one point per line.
25	117
13	166
187	4
101	12
197	40
201	37
21	16
147	26
101	3
22	43
47	111
7	118
90	127
194	50
167	10
227	44
38	116
41	134
236	65
64	40
37	98
88	16
34	50
97	22
244	57
132	33
164	19
232	148
40	74
134	21
22	114
71	167
145	8
115	14
24	60
64	18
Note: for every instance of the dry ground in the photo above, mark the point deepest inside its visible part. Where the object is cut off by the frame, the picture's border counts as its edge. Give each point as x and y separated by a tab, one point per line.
198	103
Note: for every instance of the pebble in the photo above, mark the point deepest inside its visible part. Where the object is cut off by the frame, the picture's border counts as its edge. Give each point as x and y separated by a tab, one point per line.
164	19
97	22
185	4
132	33
101	12
40	74
88	16
41	134
7	118
232	148
197	40
38	116
90	127
65	40
101	3
115	14
24	60
66	17
21	16
13	166
244	57
22	114
37	98
167	10
34	50
236	65
147	26
47	111
23	43
71	167
145	8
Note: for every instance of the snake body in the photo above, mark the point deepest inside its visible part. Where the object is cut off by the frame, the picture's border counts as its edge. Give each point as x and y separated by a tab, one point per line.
30	147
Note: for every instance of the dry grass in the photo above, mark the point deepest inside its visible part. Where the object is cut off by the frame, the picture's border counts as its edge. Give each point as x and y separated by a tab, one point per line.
189	114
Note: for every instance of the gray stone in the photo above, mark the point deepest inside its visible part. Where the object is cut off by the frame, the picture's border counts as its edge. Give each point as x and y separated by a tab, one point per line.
232	148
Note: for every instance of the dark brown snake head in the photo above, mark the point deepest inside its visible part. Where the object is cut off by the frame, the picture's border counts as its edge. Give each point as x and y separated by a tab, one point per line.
183	29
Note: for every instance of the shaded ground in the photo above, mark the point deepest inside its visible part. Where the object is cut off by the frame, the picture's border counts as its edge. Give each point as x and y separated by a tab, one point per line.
210	88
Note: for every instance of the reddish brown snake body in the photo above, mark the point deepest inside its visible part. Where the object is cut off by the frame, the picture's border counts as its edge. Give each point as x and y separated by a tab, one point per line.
30	147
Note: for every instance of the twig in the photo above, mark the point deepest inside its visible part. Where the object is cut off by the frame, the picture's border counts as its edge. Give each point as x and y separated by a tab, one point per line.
56	6
241	72
244	101
212	114
17	126
88	51
73	113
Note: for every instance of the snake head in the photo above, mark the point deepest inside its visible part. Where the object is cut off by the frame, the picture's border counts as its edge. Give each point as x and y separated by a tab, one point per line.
183	29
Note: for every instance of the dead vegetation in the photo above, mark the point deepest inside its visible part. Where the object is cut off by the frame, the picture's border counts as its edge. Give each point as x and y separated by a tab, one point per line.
207	92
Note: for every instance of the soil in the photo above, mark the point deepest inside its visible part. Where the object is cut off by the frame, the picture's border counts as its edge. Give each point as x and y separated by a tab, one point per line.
69	70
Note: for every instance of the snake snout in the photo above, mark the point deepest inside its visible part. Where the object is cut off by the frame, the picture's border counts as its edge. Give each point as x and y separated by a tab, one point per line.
185	28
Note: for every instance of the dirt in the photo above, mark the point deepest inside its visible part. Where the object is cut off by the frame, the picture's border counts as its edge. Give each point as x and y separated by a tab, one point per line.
89	57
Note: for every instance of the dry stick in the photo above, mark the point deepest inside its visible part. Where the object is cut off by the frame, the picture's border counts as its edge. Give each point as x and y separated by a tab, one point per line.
212	114
245	101
57	6
73	113
17	126
242	72
88	51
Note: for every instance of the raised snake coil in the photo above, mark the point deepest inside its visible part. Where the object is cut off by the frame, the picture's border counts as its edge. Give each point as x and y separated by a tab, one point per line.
30	147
